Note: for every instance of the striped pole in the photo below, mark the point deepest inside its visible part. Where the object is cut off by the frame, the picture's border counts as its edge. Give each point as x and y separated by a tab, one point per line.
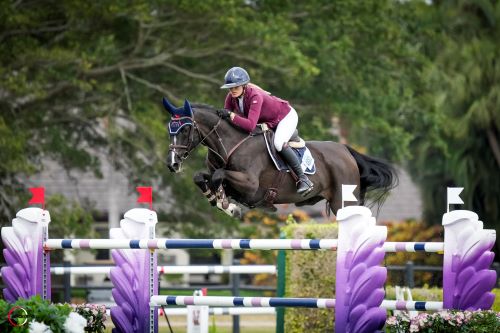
236	244
213	269
224	311
414	247
165	243
328	303
240	311
324	303
412	305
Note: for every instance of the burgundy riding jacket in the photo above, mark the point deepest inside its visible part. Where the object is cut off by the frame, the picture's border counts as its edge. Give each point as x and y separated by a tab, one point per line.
259	107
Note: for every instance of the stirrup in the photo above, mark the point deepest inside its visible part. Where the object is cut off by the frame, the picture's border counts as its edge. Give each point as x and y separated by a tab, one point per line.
308	183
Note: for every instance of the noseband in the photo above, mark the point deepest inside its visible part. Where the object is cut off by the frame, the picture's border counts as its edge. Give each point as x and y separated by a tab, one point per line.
189	147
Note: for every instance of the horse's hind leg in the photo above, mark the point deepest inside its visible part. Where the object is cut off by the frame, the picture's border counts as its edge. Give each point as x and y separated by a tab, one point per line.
335	199
202	180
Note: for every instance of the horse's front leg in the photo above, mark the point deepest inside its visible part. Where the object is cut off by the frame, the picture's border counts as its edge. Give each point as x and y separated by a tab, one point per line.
202	180
241	182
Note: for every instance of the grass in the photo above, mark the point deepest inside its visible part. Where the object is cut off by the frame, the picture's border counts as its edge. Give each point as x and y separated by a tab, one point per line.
223	324
217	330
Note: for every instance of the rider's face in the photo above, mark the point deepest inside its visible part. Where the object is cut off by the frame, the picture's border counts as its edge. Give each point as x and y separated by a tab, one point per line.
236	91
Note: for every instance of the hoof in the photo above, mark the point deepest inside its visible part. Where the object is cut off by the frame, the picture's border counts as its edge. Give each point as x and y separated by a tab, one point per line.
232	210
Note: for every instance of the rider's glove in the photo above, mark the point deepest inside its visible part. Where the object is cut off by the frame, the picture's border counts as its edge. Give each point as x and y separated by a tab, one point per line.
223	113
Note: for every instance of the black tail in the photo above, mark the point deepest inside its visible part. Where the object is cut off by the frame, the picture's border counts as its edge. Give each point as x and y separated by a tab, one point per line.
375	174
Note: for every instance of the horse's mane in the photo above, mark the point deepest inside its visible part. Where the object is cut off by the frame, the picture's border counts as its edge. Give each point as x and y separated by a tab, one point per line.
212	109
203	106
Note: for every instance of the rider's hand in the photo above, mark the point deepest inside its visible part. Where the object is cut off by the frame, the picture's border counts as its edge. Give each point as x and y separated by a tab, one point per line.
223	113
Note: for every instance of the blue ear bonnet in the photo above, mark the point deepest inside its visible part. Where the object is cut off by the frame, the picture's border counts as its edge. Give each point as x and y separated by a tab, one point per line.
175	125
181	117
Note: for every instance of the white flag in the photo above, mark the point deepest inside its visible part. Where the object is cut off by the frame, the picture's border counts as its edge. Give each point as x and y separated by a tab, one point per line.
347	194
454	195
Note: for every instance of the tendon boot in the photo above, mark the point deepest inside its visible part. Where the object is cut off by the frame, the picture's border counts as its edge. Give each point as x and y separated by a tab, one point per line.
304	185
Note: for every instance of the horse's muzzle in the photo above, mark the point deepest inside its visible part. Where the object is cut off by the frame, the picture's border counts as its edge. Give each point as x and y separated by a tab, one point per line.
175	167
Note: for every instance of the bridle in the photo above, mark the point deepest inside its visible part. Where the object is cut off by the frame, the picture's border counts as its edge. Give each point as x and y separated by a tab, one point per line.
190	146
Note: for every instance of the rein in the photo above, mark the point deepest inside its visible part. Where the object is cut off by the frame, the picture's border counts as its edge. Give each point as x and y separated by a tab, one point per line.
189	147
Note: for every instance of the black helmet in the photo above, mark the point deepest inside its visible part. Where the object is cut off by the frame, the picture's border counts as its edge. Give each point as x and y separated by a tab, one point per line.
235	77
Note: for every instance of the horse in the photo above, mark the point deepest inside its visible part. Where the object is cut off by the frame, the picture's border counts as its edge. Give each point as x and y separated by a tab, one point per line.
241	173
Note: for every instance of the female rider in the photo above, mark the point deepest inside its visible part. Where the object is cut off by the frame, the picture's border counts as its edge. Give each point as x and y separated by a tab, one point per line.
247	105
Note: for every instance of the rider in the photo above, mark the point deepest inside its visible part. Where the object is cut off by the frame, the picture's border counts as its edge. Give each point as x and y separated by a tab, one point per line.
247	104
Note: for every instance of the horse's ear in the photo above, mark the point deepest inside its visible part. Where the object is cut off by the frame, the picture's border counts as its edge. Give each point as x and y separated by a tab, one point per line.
169	107
187	108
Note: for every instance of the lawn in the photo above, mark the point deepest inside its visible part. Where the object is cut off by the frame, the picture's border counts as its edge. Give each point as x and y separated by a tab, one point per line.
223	324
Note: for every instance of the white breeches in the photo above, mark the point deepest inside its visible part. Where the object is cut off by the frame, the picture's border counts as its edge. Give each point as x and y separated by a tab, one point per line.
285	129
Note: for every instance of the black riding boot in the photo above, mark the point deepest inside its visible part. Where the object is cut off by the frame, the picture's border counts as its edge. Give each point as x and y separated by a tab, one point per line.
304	185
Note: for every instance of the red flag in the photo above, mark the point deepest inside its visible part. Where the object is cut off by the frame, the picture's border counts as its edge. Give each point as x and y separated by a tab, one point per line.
145	195
38	196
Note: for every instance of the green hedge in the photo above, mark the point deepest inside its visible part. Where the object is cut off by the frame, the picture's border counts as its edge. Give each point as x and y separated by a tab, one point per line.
310	274
496	304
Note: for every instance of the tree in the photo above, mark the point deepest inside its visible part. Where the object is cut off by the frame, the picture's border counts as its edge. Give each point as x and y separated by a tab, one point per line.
83	78
459	145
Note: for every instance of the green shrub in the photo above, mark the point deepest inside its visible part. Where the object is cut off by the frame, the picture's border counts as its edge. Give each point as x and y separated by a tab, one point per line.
52	315
310	274
56	317
496	304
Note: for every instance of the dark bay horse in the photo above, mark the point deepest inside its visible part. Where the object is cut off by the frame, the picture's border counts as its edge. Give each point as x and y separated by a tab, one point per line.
240	170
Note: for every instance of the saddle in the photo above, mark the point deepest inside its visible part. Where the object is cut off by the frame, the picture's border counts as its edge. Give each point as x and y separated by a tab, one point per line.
302	152
295	141
299	147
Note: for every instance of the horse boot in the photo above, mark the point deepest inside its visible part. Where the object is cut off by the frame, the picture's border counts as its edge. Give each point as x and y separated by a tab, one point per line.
304	185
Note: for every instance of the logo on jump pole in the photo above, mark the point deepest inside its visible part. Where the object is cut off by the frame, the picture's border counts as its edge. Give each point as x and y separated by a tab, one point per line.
17	316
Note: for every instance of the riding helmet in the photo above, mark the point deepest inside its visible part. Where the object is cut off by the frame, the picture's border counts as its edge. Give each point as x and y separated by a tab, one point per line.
235	77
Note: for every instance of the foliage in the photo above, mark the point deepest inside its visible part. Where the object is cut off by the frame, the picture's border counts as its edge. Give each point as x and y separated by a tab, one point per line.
366	64
446	321
310	274
81	81
55	316
496	304
52	315
257	224
68	219
456	143
416	232
85	80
